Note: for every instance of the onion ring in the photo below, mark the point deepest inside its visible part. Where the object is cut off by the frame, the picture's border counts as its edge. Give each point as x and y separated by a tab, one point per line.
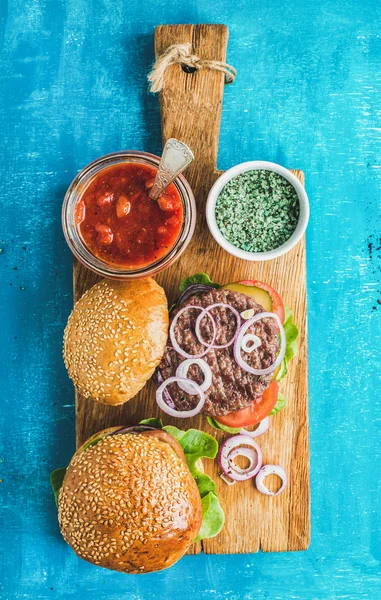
182	414
262	428
270	470
226	465
182	371
237	318
227	480
167	396
250	337
247	314
173	337
248	453
238	342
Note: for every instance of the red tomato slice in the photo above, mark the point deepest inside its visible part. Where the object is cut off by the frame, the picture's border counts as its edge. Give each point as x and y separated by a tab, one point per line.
278	306
254	413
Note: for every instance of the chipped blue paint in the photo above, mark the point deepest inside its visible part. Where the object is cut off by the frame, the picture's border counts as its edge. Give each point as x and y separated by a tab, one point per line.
307	95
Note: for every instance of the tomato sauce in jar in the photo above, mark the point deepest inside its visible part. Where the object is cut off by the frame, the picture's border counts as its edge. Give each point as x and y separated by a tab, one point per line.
120	224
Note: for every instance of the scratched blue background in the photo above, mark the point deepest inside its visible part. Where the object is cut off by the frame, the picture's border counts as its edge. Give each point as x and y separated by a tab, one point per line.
308	95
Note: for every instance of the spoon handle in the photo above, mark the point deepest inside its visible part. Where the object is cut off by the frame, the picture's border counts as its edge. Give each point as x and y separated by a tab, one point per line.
175	158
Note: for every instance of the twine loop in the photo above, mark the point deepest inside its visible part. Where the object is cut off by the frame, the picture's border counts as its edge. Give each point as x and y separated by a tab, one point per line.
180	54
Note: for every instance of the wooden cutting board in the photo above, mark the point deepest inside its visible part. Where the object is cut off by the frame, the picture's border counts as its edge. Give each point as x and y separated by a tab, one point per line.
191	111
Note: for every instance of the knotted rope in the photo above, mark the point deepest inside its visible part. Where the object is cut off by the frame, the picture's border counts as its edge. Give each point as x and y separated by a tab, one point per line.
180	53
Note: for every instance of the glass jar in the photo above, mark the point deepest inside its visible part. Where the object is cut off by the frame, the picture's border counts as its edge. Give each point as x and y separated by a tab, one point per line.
71	229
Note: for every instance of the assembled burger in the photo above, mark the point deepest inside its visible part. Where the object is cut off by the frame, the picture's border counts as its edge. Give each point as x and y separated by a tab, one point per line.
129	499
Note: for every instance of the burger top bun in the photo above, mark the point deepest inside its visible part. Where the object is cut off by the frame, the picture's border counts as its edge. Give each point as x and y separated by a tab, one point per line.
115	337
129	503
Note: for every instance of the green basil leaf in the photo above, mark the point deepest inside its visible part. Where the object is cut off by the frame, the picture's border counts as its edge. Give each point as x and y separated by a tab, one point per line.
56	480
198	278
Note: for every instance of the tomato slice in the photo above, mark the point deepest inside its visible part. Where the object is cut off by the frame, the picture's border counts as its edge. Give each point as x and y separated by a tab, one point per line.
254	413
278	306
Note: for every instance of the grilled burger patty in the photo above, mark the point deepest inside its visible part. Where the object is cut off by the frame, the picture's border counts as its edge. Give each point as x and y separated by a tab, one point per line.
232	387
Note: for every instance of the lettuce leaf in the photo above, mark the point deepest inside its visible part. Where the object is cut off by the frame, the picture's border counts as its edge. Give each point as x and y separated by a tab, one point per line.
57	476
213	517
153	422
213	423
282	371
196	445
280	403
94	441
198	278
56	480
292	332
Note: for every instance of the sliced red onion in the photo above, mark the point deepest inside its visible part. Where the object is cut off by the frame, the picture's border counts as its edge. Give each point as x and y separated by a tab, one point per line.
227	480
270	470
238	322
229	469
166	395
250	337
262	428
193	290
173	412
248	453
168	399
182	371
197	327
238	344
173	337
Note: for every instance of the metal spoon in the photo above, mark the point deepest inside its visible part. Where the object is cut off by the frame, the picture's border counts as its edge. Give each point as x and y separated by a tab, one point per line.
175	158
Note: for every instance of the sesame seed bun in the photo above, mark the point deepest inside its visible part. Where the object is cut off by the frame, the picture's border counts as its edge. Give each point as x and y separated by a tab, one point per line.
115	337
129	503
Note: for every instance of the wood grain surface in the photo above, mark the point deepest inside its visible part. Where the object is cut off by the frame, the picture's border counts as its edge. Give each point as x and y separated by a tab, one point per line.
191	111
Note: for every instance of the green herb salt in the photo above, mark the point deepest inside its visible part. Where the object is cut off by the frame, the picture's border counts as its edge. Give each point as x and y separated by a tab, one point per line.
257	211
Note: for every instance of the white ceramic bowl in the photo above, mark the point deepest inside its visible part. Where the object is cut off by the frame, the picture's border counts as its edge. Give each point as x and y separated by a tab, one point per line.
304	210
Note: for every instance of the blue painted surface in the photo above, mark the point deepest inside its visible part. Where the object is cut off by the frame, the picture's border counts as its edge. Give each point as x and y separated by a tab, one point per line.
307	95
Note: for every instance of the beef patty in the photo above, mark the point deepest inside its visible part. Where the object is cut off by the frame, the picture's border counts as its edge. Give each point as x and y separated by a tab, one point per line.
232	388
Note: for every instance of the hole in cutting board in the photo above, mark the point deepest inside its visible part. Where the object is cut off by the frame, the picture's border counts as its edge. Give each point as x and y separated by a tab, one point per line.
188	69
